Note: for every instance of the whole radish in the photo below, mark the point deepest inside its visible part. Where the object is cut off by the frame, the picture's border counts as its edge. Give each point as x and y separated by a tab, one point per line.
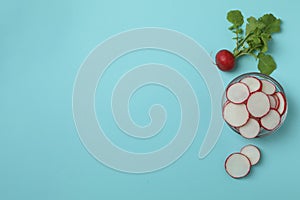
225	60
251	40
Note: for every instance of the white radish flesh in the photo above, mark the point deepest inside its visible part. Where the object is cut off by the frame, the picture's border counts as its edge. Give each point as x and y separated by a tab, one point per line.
237	165
235	114
237	93
253	83
268	87
251	129
258	104
252	152
282	103
271	120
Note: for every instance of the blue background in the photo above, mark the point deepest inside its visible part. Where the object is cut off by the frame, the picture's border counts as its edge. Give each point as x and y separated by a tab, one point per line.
42	45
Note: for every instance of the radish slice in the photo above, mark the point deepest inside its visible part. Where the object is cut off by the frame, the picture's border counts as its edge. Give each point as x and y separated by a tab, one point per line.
237	93
282	102
273	102
268	87
252	152
253	83
251	129
227	102
237	165
271	120
235	114
277	100
258	104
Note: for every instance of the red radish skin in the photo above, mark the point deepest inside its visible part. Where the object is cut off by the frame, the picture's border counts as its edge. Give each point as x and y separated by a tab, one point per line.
252	152
237	93
237	165
268	87
235	115
251	129
253	83
225	60
271	121
282	103
258	104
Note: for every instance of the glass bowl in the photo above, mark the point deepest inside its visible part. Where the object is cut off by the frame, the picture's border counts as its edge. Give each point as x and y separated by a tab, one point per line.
279	88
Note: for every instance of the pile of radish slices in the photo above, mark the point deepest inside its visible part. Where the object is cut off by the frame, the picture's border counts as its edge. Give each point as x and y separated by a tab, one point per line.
238	165
253	105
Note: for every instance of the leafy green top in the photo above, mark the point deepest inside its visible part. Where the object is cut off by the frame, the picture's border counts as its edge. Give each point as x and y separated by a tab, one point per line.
254	40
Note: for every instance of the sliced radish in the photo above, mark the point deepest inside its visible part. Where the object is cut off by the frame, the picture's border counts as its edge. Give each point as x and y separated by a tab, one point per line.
258	104
235	114
251	129
268	87
237	92
237	165
282	102
277	100
271	120
227	102
273	102
253	83
252	152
